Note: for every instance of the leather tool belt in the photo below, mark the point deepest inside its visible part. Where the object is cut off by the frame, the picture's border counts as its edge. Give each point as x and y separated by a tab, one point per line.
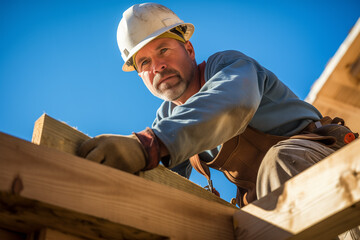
240	157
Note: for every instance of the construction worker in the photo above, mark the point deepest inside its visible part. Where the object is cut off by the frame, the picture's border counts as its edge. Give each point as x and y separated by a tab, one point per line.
228	113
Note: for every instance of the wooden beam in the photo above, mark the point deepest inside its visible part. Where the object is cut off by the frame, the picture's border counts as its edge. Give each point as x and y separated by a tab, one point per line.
58	135
65	187
347	53
26	215
319	203
334	108
51	234
10	235
55	134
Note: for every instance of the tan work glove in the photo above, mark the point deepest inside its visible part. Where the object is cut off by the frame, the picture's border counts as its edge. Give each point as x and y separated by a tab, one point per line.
118	151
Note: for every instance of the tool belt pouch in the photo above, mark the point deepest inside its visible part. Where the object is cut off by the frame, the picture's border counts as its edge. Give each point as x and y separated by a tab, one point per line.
240	157
330	132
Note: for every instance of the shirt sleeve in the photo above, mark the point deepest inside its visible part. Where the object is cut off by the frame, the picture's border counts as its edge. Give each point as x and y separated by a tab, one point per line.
220	110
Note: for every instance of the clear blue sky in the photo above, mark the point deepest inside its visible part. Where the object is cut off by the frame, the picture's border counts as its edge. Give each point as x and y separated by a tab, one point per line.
61	57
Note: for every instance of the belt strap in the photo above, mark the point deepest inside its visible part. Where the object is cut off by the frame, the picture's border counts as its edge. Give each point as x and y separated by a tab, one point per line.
323	121
203	169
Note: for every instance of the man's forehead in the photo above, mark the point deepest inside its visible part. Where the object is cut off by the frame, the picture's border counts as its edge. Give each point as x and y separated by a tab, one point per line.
156	44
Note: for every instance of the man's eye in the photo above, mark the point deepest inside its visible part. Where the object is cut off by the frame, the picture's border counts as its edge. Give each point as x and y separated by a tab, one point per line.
143	63
163	50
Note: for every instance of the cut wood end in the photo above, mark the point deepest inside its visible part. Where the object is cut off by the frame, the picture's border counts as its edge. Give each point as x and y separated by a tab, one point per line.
38	128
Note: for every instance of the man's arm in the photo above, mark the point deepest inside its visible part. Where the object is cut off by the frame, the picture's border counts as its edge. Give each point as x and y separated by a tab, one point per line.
220	110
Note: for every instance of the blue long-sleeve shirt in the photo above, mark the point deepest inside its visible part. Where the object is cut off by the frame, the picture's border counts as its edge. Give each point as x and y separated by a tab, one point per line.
237	92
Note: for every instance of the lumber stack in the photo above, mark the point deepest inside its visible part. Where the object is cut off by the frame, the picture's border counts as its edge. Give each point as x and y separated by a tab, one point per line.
58	135
46	192
42	187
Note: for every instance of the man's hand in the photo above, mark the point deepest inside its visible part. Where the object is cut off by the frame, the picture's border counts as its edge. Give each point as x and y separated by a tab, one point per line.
121	152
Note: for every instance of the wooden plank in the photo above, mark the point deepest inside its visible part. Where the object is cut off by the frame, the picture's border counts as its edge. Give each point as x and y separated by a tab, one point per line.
56	134
10	235
331	107
319	203
60	182
51	234
347	53
53	133
28	216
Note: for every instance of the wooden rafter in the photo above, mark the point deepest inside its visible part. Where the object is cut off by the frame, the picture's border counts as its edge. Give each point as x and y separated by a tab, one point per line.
55	134
66	188
319	203
43	188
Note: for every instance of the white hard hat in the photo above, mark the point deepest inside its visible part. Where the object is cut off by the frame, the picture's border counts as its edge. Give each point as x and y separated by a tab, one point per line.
141	23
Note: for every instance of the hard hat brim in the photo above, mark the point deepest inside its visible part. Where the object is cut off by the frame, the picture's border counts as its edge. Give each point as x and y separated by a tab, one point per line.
189	32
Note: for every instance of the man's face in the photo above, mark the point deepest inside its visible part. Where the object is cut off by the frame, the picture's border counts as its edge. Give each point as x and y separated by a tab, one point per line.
167	68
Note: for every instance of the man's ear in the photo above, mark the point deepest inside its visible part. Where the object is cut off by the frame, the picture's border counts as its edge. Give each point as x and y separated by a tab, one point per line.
190	49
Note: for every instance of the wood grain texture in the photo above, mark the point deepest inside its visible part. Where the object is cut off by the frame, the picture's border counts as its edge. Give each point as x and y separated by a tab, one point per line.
51	234
6	234
337	91
319	203
57	179
28	216
55	134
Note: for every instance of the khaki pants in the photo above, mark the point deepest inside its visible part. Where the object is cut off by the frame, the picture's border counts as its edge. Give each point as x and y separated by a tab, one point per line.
285	160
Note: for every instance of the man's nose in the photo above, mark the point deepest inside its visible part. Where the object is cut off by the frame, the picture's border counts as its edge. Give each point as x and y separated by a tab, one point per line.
159	65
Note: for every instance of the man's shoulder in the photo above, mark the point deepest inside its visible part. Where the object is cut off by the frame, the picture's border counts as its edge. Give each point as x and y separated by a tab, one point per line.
227	55
225	58
165	109
220	60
